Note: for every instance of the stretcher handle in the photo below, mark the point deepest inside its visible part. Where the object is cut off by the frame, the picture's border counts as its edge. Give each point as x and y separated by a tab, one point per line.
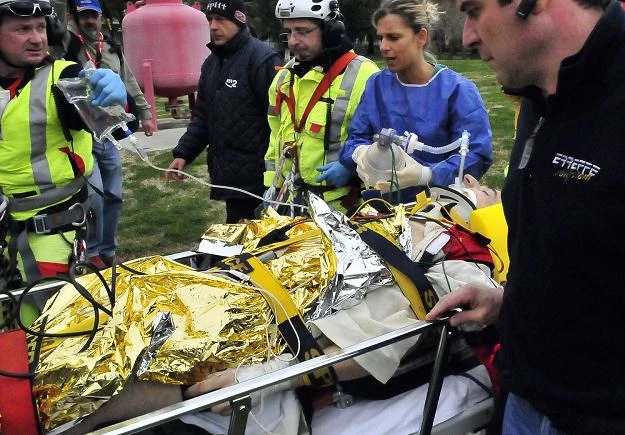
240	411
436	381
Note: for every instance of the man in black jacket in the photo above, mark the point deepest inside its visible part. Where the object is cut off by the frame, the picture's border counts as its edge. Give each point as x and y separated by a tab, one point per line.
230	116
559	314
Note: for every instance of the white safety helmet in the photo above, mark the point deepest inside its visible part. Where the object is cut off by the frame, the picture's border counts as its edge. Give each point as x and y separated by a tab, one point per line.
315	9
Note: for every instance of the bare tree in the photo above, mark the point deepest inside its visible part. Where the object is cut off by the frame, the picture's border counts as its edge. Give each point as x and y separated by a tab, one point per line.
447	37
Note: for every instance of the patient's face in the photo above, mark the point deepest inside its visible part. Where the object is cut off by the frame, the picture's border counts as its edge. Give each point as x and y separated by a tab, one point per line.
485	195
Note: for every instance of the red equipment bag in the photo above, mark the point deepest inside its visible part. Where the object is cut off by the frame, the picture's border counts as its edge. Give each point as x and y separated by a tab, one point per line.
17	412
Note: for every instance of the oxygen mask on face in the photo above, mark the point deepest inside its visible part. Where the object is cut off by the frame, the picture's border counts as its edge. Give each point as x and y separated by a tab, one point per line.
381	159
102	121
387	154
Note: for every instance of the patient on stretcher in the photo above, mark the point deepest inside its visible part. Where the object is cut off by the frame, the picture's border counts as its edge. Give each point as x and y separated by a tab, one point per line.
453	257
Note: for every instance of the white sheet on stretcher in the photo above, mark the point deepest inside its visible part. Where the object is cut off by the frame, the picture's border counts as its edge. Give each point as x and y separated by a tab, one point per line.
402	414
399	415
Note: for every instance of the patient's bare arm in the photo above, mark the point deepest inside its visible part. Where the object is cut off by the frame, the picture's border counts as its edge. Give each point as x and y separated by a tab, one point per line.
141	397
137	398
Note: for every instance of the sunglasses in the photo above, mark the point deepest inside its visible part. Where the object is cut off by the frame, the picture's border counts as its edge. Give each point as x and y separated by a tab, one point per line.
28	9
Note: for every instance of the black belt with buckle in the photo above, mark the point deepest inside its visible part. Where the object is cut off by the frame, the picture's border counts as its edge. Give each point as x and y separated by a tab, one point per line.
74	217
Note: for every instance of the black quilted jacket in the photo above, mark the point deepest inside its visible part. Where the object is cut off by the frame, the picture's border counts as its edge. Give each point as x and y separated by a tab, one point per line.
230	115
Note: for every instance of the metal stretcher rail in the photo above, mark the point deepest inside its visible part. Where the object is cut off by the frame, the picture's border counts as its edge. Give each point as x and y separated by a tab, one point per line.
238	394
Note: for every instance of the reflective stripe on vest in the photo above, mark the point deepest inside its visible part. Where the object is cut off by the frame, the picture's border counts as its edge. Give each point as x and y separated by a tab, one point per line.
270	165
49	197
339	109
274	110
278	103
38	120
29	262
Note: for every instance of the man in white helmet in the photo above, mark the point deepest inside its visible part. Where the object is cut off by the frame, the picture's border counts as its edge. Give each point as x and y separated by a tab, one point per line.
314	98
45	151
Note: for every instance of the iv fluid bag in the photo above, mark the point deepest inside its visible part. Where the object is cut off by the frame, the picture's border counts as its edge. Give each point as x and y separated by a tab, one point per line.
102	121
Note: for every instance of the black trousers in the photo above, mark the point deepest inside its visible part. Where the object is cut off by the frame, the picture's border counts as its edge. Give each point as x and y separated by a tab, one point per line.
240	208
175	427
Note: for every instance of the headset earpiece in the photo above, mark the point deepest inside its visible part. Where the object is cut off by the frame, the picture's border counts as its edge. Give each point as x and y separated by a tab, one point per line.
333	32
525	8
58	36
333	26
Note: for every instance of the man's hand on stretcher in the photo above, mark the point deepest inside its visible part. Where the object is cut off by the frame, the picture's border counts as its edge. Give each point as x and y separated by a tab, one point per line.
479	305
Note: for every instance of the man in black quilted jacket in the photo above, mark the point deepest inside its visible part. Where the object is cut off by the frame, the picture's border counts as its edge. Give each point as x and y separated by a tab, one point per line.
230	116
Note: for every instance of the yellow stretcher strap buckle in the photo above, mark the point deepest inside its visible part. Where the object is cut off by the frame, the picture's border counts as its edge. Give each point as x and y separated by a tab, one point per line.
290	322
408	274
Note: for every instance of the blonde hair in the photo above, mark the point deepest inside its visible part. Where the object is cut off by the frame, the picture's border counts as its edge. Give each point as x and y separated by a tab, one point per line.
418	14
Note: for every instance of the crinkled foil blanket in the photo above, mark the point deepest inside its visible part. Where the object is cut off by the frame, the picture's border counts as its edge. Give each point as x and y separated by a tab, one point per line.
173	325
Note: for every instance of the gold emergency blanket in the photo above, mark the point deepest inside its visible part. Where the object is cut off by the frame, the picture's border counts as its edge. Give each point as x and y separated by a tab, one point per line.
171	324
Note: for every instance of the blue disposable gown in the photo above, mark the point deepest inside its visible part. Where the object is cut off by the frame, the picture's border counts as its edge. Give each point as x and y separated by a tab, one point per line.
438	112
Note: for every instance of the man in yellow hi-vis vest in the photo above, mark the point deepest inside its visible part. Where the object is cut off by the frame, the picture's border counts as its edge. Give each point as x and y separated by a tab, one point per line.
45	151
312	101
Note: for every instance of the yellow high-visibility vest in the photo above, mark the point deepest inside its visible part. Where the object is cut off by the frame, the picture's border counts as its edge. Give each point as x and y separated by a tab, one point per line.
35	166
343	95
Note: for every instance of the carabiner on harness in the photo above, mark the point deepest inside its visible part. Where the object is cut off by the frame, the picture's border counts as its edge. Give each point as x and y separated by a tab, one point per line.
4	221
79	255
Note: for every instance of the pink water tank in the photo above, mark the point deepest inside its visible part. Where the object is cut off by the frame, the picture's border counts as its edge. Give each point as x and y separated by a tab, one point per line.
165	46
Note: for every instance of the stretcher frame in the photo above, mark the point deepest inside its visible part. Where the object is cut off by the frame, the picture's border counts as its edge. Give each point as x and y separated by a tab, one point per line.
239	394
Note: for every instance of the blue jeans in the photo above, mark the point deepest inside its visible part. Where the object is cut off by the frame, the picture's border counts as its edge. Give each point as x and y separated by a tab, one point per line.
520	418
107	204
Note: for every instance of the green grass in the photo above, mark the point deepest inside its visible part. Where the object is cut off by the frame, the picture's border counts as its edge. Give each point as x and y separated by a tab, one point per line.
163	218
500	110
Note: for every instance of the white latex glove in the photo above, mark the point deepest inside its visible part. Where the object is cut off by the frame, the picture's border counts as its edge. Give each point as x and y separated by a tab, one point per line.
246	373
412	174
229	377
362	167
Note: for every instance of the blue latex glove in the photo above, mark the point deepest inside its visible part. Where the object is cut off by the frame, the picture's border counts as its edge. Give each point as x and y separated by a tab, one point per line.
335	174
268	196
108	88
